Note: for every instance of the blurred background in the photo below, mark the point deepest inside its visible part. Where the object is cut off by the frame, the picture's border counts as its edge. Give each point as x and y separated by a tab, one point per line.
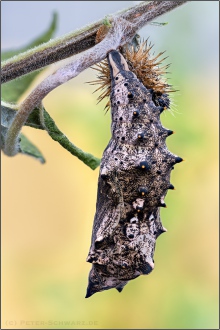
48	210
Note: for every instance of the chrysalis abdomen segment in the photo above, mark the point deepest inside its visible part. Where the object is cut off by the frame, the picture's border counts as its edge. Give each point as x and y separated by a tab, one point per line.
134	179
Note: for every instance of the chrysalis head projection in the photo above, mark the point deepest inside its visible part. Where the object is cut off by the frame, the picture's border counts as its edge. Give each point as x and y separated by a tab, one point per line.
134	172
149	70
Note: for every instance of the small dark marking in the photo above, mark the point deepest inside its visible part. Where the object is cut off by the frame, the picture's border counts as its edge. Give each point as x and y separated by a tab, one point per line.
169	132
146	268
178	160
162	204
144	166
136	113
140	136
161	109
142	191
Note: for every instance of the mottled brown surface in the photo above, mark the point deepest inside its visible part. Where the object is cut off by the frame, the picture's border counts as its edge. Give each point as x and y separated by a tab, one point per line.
133	182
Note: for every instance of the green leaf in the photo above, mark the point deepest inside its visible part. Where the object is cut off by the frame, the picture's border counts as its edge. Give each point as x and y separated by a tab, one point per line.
8	113
46	36
54	132
28	148
12	90
34	120
58	136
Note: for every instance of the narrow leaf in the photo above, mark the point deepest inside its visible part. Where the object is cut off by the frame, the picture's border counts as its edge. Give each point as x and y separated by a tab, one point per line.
28	148
12	90
8	113
58	136
54	132
46	36
34	120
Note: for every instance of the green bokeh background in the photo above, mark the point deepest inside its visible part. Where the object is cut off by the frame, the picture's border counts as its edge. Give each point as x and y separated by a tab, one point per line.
48	210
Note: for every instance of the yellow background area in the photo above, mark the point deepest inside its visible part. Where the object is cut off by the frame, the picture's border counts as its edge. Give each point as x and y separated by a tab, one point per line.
48	210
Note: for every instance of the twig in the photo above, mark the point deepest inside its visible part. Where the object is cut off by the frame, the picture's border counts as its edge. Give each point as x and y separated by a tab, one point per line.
120	32
79	41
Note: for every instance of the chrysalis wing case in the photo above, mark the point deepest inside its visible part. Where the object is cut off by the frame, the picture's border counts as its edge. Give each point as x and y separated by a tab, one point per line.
133	181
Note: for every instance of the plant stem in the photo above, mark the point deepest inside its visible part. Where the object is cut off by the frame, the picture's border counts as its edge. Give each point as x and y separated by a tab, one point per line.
120	32
79	41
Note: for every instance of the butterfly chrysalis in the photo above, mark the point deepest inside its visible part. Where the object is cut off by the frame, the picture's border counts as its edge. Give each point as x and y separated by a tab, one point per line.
133	180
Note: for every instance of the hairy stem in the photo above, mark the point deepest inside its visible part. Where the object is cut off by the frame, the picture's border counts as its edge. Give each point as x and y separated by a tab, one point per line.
120	32
79	41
